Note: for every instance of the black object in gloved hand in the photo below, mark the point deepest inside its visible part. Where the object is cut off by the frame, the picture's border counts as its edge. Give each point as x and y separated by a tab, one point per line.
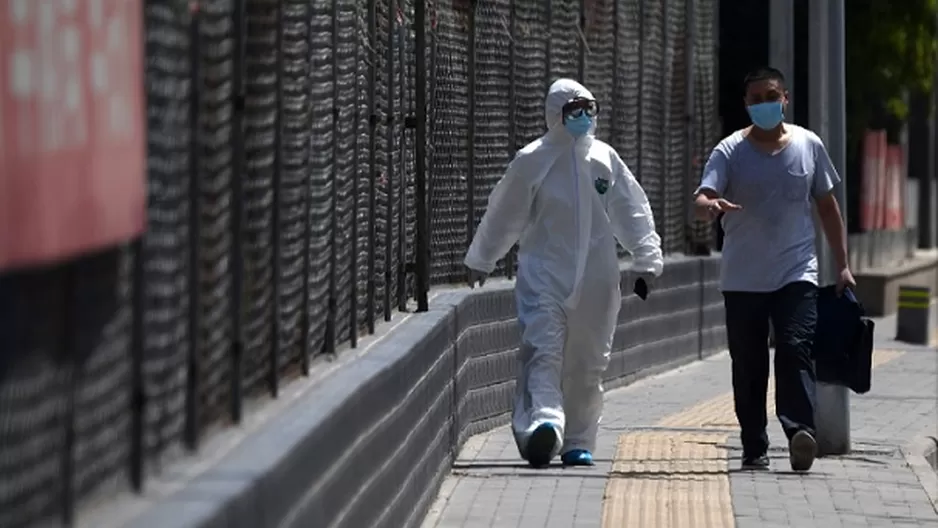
476	276
641	288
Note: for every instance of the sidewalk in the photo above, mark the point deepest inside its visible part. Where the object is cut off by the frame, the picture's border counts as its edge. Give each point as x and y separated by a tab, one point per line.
668	456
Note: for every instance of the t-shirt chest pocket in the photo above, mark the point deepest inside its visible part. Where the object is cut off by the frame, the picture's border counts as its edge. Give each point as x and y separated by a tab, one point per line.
796	180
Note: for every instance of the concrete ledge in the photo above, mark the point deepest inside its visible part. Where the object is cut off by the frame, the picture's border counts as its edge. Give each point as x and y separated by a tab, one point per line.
922	457
369	445
927	448
878	288
881	248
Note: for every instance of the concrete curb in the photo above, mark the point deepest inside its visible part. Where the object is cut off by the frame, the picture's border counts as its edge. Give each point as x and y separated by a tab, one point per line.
921	455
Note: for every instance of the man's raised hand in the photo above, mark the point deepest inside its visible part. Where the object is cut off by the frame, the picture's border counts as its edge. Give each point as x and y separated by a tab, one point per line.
721	205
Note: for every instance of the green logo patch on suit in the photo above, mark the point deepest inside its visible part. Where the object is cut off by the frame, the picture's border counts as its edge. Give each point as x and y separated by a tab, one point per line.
602	185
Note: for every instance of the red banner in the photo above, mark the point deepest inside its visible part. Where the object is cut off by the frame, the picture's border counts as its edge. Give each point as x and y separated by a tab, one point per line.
881	183
72	141
895	217
872	158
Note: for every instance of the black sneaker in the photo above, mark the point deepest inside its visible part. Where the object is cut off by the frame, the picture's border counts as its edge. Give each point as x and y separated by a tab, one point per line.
755	463
802	450
541	445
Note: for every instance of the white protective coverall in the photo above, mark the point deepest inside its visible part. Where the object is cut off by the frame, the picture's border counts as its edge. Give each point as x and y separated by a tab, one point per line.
567	288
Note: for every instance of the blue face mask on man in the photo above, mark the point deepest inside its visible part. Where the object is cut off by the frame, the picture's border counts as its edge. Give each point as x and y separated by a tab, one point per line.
766	116
578	126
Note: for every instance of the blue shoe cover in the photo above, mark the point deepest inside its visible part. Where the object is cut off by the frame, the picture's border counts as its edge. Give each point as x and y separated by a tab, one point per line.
577	457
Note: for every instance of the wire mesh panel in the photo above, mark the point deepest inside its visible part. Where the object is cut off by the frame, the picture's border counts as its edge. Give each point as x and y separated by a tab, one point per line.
215	164
166	245
599	62
531	44
384	162
652	114
392	196
705	114
627	82
627	86
100	321
320	100
449	116
407	231
344	129
294	228
261	121
33	396
492	125
531	69
65	375
363	171
388	184
674	201
564	59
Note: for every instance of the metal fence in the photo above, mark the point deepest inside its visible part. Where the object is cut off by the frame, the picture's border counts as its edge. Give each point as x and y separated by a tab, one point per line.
283	183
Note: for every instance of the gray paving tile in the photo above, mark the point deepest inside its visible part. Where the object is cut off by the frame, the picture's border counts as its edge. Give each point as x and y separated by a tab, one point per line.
871	487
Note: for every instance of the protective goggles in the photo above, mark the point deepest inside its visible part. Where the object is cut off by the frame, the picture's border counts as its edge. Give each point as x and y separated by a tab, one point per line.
578	107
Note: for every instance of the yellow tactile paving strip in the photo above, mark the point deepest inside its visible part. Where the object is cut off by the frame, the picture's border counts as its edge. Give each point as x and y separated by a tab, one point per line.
669	480
675	479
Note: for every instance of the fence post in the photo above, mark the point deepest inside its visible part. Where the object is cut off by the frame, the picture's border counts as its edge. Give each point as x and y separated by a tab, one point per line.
307	226
581	66
402	169
237	213
702	300
138	391
389	161
353	299
615	126
512	112
928	184
641	93
716	127
420	169
549	48
331	326
276	338
137	342
664	89
690	138
195	210
75	369
372	158
67	480
471	129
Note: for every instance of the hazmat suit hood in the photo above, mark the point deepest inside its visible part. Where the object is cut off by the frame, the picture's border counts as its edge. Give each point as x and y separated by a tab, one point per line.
561	92
538	157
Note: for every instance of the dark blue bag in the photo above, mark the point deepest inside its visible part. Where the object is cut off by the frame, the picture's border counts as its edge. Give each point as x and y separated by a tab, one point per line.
843	343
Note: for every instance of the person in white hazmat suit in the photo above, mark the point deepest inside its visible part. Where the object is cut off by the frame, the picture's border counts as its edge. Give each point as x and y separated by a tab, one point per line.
567	197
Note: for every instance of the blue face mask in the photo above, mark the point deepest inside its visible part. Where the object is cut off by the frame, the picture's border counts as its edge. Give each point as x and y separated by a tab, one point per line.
766	115
578	126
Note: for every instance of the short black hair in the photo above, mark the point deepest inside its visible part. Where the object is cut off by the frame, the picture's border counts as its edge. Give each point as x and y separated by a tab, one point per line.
766	73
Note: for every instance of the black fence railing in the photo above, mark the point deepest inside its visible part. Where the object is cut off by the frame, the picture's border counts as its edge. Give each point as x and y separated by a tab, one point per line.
292	148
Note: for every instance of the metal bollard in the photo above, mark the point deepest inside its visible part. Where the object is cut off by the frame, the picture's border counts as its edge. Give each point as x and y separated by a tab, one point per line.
913	322
832	419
